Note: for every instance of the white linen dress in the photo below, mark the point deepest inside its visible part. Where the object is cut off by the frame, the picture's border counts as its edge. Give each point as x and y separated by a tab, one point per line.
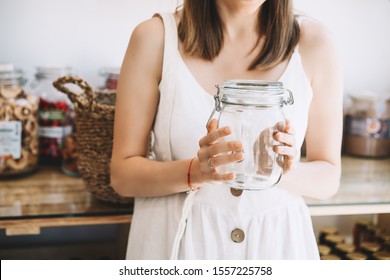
216	222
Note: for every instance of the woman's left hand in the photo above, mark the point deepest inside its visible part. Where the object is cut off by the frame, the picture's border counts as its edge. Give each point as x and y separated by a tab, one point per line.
287	149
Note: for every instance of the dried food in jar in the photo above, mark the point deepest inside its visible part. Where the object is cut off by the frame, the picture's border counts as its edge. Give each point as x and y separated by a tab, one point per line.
18	131
55	114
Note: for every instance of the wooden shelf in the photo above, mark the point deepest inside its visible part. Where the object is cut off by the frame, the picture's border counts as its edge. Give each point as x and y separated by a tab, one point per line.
50	198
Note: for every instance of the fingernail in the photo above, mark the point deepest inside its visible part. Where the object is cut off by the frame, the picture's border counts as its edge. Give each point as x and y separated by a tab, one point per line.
226	129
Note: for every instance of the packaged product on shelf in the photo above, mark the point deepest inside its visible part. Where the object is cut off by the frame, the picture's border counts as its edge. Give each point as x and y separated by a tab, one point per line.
18	124
325	231
55	114
360	231
381	256
333	240
367	125
111	75
356	256
324	250
343	249
330	257
370	248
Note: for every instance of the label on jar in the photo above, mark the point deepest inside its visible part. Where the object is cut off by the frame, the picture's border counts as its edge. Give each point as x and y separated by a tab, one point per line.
51	115
367	127
54	132
11	139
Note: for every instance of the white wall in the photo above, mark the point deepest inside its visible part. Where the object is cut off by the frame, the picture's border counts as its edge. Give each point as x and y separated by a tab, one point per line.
85	34
90	34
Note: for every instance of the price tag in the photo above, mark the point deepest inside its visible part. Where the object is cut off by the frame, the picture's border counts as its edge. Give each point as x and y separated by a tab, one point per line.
11	139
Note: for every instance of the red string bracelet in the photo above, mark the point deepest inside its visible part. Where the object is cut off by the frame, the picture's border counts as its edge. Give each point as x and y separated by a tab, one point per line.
190	187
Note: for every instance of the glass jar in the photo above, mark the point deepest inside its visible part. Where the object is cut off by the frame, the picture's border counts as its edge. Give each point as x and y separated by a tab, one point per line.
367	125
254	111
110	75
18	124
55	114
360	231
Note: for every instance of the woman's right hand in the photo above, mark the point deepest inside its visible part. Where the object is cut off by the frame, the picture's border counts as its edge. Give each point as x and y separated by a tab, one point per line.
214	152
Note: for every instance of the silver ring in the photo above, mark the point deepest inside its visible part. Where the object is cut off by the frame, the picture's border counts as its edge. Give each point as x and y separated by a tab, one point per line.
209	163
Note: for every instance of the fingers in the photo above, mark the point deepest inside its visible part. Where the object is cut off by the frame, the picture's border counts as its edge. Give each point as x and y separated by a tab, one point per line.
287	151
223	159
215	151
213	135
285	138
213	124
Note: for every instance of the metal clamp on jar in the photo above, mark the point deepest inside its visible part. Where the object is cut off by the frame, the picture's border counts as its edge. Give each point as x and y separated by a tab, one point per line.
254	110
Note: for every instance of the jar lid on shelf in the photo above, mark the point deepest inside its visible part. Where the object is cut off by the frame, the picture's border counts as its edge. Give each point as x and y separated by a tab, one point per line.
370	246
384	237
382	256
328	230
356	256
43	72
110	71
370	96
345	248
363	222
330	257
324	250
335	239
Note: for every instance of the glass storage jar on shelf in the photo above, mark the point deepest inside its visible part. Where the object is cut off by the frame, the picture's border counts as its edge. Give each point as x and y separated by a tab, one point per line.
18	124
56	116
367	125
110	75
254	111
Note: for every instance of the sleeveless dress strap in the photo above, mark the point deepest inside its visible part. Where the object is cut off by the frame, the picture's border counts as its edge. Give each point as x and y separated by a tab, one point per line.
167	91
167	85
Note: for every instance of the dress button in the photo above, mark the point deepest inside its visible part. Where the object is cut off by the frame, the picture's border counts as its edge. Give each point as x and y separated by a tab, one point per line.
236	192
237	235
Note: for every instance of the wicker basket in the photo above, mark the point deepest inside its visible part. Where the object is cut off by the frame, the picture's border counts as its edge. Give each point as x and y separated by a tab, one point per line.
94	125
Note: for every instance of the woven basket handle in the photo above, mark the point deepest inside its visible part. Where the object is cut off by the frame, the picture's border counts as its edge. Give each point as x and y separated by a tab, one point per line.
84	100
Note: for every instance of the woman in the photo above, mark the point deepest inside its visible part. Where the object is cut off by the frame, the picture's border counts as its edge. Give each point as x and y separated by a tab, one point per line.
166	86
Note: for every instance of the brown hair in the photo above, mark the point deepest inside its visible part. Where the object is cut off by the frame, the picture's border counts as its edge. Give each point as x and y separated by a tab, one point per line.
200	31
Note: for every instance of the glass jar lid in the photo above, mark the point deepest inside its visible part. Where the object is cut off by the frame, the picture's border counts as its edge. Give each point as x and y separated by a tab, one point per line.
45	72
110	72
256	93
370	246
329	230
10	76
